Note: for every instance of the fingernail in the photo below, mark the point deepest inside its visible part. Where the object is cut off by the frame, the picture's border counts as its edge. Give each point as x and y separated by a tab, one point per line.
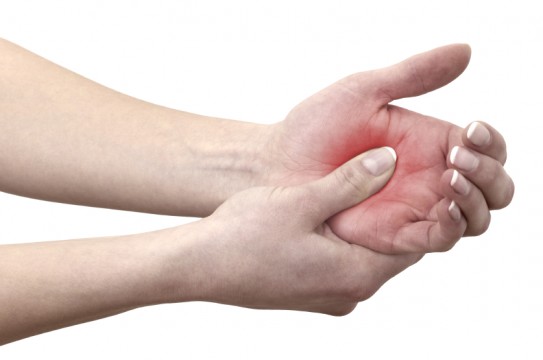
454	211
463	159
478	134
379	160
459	183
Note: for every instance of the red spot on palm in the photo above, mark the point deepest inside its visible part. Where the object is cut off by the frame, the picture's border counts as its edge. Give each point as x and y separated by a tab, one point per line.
331	132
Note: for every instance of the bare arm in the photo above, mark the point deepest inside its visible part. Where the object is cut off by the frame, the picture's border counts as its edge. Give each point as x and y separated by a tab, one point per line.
253	252
65	138
50	285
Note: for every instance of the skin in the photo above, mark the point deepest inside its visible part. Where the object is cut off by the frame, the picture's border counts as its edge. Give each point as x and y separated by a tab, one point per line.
179	163
266	247
270	194
354	115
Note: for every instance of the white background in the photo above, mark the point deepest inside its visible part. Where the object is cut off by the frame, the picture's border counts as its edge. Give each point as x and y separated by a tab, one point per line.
253	61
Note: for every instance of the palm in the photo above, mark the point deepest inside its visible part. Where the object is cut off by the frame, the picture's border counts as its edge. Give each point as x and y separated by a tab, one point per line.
354	115
334	126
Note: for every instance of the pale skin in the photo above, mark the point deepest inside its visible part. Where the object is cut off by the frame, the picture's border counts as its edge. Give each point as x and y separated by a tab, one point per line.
295	232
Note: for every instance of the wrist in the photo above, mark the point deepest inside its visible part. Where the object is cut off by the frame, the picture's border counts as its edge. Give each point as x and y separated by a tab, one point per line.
186	263
216	159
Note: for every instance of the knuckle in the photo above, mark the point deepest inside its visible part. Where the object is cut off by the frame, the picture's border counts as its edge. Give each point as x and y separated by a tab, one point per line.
442	244
366	293
500	187
356	283
445	240
445	245
486	223
482	226
509	194
354	292
493	172
502	158
506	196
353	180
342	310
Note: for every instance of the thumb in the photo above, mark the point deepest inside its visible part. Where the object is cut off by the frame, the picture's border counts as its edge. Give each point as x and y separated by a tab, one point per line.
352	182
416	75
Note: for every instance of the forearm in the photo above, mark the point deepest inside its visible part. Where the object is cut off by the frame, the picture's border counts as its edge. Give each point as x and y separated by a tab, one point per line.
252	252
65	138
46	286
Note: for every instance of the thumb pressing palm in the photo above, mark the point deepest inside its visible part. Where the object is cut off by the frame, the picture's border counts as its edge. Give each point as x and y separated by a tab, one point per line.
277	251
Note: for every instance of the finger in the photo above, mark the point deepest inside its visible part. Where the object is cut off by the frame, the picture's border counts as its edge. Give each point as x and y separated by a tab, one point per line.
414	76
350	183
483	138
469	199
484	172
437	235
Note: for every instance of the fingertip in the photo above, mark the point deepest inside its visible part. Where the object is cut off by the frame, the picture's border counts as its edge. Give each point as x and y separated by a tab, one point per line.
378	161
454	212
464	159
392	152
459	183
460	53
466	48
419	74
478	134
483	138
450	228
352	182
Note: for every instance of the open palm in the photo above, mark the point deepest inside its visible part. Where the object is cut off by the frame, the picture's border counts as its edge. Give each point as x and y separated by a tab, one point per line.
354	115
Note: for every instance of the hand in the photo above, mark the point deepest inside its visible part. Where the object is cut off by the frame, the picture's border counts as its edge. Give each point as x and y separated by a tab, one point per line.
414	213
270	247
